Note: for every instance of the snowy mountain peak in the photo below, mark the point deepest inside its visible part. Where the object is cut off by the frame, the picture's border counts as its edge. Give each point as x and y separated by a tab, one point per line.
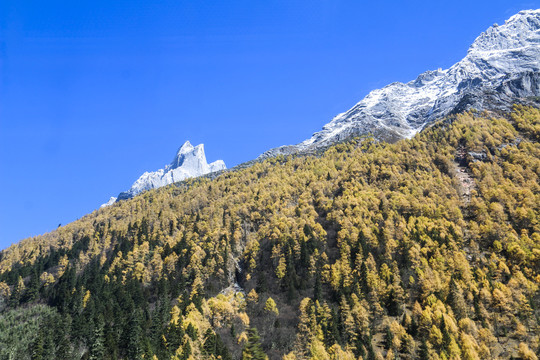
190	161
501	67
520	31
187	147
190	157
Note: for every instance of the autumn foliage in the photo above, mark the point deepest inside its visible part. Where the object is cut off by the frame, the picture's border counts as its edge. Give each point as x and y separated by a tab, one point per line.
425	248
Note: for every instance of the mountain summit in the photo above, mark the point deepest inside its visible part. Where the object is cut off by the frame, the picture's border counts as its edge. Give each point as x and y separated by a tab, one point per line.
501	67
190	161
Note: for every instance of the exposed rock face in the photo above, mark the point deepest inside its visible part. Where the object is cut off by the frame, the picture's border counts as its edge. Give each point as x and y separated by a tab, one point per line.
190	161
502	67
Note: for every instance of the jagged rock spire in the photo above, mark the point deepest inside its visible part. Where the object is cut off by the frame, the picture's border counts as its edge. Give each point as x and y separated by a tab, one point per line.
190	161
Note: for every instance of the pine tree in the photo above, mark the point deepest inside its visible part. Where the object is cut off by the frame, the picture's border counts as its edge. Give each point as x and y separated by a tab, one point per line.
186	350
423	350
175	331
64	346
457	301
317	288
209	346
15	297
252	349
133	336
192	332
222	350
97	344
32	290
37	350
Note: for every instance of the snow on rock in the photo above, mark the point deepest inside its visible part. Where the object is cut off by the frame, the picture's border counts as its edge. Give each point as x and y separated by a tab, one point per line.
190	161
501	67
111	201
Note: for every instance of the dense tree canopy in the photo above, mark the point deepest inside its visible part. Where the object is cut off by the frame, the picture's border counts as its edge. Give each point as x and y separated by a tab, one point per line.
425	248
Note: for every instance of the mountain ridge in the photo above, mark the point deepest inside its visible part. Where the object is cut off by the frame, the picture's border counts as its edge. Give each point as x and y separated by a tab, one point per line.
501	67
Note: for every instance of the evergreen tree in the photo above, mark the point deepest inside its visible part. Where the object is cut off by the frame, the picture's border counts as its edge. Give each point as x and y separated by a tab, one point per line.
423	350
32	290
16	295
252	349
64	346
97	344
37	348
210	346
186	350
192	332
133	336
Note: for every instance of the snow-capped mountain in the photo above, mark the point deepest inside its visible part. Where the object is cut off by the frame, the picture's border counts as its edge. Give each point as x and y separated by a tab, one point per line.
190	161
501	67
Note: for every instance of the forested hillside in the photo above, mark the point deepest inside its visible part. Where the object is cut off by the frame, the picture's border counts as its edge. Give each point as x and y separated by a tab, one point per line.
426	248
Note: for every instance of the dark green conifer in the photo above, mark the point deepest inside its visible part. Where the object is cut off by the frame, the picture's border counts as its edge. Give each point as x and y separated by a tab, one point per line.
253	349
97	343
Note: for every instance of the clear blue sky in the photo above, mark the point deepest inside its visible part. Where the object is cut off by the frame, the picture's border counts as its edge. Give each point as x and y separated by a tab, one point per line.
94	93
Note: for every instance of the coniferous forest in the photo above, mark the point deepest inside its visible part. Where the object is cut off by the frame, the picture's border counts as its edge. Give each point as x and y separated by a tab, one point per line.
426	248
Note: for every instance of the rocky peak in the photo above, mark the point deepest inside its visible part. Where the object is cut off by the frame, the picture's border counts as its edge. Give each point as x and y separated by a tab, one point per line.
190	157
518	32
180	154
190	161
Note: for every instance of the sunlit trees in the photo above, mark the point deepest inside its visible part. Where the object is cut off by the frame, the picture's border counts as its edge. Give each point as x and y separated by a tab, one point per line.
366	250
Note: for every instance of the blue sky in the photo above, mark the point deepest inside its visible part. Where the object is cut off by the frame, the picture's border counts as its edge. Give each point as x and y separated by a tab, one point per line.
94	93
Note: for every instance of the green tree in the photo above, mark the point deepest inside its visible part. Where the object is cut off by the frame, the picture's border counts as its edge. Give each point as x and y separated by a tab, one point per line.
16	294
37	348
97	345
32	290
133	336
209	346
252	349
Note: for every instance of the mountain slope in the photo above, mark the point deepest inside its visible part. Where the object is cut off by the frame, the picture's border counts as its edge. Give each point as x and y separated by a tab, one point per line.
501	67
369	250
